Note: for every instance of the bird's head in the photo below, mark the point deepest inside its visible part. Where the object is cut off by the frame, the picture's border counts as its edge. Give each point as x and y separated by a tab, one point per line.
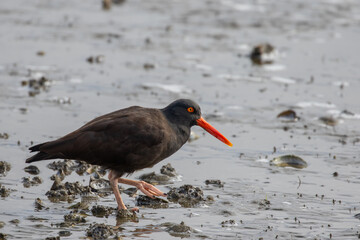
187	112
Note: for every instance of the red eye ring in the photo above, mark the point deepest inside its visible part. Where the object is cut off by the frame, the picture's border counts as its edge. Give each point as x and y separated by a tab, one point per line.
190	109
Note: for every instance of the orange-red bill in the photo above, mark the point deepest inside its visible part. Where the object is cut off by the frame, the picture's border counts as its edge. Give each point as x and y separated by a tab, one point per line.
210	129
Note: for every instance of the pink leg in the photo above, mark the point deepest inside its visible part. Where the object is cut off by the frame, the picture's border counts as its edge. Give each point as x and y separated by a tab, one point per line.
114	185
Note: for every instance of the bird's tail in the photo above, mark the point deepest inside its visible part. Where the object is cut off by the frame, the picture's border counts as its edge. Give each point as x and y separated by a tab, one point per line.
37	157
36	148
41	155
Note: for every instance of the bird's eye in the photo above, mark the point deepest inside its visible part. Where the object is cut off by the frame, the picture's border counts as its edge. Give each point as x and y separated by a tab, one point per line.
190	109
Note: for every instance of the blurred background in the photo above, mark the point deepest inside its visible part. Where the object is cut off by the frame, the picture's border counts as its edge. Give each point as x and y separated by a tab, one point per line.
276	77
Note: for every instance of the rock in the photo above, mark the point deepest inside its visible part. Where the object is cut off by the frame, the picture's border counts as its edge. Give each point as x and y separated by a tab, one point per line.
263	54
168	170
64	165
28	182
3	236
64	233
216	183
330	121
15	221
59	176
53	238
148	66
33	170
228	223
96	59
263	203
39	205
99	231
186	195
36	84
4	192
101	211
4	135
65	191
154	178
4	168
289	161
100	185
74	218
178	230
146	201
130	191
126	214
288	116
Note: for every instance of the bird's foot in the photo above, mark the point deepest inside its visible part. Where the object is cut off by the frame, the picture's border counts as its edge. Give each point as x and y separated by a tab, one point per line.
134	209
149	190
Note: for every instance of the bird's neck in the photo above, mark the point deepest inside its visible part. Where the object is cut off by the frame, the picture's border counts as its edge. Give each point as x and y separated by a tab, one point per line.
182	130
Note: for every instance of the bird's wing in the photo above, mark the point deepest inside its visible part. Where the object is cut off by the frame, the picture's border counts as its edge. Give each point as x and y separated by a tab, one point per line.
119	138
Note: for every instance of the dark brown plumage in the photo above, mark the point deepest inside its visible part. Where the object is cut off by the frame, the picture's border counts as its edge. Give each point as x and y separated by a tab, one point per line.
128	140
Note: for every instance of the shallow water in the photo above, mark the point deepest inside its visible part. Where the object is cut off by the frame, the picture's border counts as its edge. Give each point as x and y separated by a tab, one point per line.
158	51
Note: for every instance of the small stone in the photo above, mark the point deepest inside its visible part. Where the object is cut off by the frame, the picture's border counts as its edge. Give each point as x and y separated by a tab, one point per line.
228	223
74	218
99	231
146	201
101	211
100	185
154	178
263	54
178	230
40	53
4	168
4	192
214	182
148	66
168	170
289	161
64	233
4	135
33	170
28	182
3	236
288	115
39	205
330	121
126	214
53	238
131	191
15	221
263	204
186	195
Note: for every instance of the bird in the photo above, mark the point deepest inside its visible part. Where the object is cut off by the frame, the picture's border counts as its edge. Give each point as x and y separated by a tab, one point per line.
129	140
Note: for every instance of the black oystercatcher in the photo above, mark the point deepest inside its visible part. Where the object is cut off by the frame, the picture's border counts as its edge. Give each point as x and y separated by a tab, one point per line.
128	140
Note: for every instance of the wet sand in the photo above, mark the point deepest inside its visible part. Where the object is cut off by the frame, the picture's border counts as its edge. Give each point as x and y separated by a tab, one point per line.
149	53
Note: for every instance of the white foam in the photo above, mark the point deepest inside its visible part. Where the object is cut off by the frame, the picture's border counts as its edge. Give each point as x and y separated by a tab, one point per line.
283	80
274	67
315	104
203	67
174	88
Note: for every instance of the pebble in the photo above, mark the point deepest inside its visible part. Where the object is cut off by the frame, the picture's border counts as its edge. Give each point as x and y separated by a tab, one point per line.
145	201
99	231
33	170
186	195
4	168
